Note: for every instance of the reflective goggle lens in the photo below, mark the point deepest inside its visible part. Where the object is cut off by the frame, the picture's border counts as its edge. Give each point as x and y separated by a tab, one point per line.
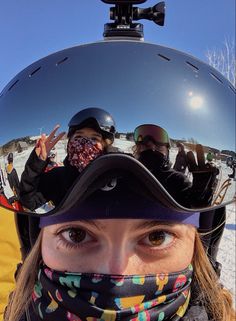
103	118
143	132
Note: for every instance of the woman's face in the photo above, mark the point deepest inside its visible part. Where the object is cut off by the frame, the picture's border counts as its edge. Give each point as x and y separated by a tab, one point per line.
114	246
89	133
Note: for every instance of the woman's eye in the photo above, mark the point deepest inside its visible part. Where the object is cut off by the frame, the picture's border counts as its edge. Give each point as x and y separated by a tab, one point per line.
96	139
75	236
160	239
75	138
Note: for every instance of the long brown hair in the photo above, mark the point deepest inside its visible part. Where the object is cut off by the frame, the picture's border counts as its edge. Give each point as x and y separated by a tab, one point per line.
216	299
21	296
206	286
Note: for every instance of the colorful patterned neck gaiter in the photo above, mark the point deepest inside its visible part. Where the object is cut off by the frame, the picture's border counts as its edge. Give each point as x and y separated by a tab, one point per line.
82	151
99	297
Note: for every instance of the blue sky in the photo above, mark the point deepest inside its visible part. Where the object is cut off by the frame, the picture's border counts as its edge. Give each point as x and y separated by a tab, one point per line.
30	30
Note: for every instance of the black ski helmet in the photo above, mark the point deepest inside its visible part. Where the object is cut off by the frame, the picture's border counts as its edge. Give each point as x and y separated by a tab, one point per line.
141	83
95	118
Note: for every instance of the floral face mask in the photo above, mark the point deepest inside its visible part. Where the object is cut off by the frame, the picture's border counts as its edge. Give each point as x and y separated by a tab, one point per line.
82	151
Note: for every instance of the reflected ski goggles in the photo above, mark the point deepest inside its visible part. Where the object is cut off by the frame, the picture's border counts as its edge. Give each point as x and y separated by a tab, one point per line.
146	132
94	117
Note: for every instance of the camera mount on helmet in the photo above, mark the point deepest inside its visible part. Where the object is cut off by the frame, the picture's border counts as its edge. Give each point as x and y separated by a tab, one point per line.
124	13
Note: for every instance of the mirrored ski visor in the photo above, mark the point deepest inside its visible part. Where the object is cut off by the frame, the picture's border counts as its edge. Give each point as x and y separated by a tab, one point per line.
192	102
143	133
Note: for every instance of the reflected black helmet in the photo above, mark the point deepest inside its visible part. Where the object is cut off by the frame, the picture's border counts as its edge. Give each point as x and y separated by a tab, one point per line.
10	157
96	118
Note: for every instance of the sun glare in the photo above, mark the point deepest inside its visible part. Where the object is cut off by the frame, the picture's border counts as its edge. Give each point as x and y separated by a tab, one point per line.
196	102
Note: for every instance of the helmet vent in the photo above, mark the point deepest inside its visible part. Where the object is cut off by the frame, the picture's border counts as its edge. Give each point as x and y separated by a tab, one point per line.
164	57
34	72
217	78
191	65
61	61
233	89
13	85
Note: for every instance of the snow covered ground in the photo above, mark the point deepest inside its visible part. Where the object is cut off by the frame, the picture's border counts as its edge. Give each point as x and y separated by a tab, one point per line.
227	248
226	254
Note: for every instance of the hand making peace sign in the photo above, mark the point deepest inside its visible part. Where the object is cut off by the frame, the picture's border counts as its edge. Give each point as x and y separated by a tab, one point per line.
45	144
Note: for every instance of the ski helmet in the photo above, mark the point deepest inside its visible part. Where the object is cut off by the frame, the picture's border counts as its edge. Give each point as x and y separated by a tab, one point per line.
10	158
138	83
96	118
156	133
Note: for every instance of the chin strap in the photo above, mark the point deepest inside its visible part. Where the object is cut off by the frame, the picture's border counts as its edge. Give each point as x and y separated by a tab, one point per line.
213	222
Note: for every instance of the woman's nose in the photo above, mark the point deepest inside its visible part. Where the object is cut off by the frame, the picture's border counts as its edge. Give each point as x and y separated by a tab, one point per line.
117	260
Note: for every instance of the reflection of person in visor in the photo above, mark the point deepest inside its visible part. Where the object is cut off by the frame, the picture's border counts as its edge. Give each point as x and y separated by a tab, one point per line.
210	156
87	139
2	179
152	149
12	177
1	182
233	166
181	163
3	198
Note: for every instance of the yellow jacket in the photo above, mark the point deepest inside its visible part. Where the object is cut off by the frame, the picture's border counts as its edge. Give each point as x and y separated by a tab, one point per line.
9	256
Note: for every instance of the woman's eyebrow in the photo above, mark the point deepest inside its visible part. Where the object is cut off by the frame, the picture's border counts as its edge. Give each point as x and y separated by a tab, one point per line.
93	223
80	132
140	226
97	135
83	222
153	223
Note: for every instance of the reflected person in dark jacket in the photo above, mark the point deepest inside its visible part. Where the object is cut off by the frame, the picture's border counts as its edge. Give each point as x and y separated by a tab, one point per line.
181	163
152	150
1	181
88	138
12	176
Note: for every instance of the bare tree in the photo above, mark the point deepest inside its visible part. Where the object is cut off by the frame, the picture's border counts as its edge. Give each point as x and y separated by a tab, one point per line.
223	60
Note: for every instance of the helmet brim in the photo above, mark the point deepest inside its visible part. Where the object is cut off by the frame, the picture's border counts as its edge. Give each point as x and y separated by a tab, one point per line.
102	170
